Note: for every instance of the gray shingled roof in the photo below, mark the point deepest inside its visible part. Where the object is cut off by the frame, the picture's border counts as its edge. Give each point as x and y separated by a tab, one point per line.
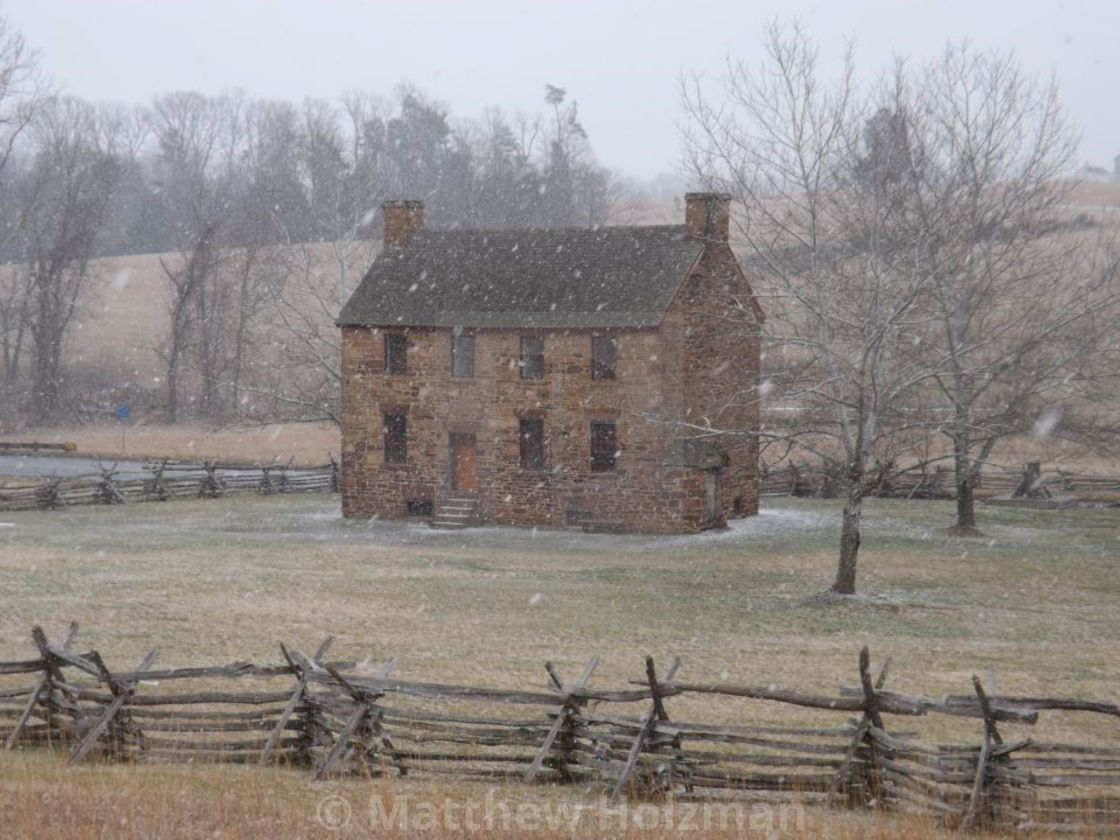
606	277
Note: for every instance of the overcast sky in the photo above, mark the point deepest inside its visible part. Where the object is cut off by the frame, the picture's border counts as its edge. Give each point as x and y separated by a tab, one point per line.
619	60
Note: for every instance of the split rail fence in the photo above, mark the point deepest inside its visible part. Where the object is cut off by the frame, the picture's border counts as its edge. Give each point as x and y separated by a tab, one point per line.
792	479
167	480
844	750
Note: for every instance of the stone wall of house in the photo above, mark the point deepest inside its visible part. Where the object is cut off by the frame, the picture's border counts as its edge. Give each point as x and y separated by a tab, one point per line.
640	494
720	365
694	366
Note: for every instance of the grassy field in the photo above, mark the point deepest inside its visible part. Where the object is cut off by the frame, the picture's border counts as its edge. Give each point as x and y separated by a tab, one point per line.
215	581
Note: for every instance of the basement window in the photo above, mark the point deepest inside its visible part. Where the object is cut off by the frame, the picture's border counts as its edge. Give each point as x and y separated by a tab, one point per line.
396	438
604	446
604	356
396	353
418	507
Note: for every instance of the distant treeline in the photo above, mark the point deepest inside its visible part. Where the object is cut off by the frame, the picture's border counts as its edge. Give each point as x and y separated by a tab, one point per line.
276	172
234	193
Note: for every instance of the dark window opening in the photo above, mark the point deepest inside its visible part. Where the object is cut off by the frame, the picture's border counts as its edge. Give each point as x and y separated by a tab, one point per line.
396	352
419	507
572	516
737	506
531	436
604	447
532	357
396	438
604	355
462	354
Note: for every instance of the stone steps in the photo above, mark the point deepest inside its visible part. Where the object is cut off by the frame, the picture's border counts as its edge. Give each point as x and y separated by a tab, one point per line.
455	513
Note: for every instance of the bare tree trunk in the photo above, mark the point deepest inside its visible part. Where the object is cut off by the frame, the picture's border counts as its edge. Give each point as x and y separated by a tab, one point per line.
965	475
849	535
966	501
241	337
966	505
963	472
174	360
48	386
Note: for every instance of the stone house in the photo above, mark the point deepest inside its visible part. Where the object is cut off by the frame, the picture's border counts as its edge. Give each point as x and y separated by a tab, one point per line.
553	377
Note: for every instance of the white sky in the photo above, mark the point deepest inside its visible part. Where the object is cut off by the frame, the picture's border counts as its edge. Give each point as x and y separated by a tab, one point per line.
619	60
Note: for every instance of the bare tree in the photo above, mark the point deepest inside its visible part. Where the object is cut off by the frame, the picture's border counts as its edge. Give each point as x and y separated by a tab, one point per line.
824	248
1017	286
22	92
304	282
22	87
65	200
923	273
192	132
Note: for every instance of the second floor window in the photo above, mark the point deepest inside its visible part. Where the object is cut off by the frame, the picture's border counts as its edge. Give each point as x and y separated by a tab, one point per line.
396	353
396	438
531	435
462	354
604	355
532	357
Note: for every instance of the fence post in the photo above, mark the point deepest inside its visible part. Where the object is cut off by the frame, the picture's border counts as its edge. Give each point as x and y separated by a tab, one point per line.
59	695
156	487
870	776
48	495
115	714
107	491
297	697
565	715
980	810
211	485
45	684
655	715
365	721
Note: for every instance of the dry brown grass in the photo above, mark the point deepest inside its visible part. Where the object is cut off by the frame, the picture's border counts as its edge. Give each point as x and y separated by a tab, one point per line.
249	803
309	443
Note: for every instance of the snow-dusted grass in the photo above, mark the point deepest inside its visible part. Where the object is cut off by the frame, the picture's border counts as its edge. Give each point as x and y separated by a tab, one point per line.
228	579
215	581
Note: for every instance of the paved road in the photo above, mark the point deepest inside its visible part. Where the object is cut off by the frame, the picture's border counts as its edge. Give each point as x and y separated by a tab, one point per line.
44	466
58	467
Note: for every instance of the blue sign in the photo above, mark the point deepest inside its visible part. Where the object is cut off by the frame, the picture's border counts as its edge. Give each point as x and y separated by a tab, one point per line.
124	411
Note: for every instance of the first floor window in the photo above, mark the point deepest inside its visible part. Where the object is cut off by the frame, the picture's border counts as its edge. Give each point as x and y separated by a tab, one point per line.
604	446
531	435
396	438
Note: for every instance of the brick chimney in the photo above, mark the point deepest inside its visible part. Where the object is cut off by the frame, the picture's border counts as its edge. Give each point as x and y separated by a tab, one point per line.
707	216
402	219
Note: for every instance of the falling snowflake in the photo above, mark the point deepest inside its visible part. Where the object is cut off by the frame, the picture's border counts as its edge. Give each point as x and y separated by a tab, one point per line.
1044	426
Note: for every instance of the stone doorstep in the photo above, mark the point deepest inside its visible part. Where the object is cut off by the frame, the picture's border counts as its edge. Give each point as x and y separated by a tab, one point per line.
455	512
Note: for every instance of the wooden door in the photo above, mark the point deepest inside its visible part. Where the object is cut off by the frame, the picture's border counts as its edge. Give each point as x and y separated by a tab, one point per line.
464	463
713	499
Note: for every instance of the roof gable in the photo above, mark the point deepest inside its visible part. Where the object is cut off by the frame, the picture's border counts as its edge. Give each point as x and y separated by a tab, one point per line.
604	277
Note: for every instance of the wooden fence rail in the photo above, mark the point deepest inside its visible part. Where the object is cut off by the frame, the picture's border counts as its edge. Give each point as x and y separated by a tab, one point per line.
792	479
168	481
336	718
